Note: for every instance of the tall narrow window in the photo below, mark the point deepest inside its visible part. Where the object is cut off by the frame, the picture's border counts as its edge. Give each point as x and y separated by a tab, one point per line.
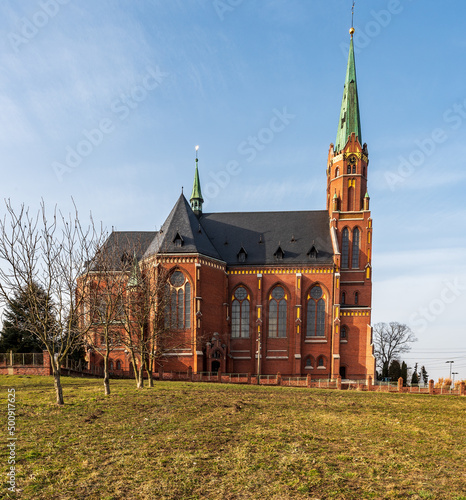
315	313
355	257
345	248
277	313
178	310
356	298
240	314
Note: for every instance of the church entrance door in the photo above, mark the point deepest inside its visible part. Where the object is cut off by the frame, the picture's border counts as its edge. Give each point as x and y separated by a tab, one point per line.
215	366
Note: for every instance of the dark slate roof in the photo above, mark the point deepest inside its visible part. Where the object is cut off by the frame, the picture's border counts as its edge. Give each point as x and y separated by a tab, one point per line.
182	224
120	247
222	236
262	233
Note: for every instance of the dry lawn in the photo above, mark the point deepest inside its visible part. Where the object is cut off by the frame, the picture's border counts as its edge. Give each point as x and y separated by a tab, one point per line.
182	440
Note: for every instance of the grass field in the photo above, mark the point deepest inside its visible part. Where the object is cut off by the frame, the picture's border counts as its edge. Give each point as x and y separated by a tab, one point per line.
181	440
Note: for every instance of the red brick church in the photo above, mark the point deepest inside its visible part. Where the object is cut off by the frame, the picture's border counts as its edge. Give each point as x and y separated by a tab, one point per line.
268	292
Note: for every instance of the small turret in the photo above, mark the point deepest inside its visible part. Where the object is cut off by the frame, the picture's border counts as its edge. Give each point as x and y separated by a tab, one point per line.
196	195
366	201
335	202
135	276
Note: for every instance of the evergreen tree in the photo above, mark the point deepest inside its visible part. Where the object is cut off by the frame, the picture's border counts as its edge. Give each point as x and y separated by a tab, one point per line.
394	371
415	376
424	375
385	370
404	373
16	332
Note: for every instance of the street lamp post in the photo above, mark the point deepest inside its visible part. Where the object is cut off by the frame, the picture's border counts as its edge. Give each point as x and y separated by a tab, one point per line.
453	381
450	366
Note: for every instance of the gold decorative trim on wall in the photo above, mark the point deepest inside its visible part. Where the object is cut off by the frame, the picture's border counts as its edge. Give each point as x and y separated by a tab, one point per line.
282	271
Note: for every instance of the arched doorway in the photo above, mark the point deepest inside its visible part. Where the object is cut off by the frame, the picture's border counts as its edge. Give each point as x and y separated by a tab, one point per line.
216	355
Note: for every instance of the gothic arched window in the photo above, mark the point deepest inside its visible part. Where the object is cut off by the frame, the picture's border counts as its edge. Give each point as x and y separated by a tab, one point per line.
343	333
315	313
309	363
178	310
345	248
277	313
240	314
355	253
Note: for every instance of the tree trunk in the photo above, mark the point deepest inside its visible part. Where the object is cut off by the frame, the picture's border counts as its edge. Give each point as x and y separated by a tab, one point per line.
141	377
150	376
57	383
135	369
106	375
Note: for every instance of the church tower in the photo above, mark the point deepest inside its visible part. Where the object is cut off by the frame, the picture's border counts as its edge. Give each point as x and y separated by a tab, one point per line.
351	227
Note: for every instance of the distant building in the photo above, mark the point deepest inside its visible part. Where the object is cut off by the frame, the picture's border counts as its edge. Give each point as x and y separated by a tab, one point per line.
268	292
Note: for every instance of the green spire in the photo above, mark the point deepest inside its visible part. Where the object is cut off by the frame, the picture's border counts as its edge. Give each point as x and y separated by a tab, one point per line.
135	276
196	195
349	114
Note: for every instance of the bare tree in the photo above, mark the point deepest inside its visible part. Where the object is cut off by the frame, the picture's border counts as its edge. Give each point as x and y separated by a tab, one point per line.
390	341
138	303
152	334
104	296
149	336
161	338
51	253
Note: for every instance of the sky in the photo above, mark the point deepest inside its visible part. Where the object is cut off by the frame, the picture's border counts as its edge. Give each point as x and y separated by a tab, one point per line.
104	102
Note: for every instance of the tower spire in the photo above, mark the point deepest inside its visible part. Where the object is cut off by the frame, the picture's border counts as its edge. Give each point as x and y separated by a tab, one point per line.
349	115
196	195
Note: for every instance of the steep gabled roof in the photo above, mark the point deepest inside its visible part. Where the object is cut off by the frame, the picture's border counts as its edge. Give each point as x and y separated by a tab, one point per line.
261	233
192	237
122	247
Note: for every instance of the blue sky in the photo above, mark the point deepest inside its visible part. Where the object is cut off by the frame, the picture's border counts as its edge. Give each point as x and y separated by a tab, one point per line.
105	101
